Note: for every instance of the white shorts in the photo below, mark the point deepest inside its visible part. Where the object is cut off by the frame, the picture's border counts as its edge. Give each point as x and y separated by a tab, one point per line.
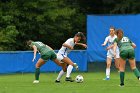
60	57
110	54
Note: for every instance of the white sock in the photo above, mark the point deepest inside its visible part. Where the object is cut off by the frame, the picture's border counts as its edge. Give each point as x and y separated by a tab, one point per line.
61	73
108	72
69	70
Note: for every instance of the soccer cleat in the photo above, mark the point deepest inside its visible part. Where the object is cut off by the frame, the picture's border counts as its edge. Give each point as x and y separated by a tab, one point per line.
57	81
121	85
69	79
36	81
106	78
138	78
76	66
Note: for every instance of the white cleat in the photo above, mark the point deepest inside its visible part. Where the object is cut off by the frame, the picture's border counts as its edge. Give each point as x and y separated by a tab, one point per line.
36	81
76	66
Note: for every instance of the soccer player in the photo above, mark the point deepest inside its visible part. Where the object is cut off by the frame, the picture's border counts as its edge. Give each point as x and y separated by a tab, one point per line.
126	47
46	53
110	53
62	56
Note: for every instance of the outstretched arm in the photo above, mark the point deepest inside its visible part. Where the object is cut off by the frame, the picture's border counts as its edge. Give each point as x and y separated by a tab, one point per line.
68	46
81	44
133	45
114	49
109	47
35	51
105	42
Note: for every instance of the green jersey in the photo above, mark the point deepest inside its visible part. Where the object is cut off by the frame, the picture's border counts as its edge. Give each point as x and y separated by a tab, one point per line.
42	48
124	43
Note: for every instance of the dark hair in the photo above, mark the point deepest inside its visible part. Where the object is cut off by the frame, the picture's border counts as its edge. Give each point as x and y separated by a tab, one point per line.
80	34
118	31
29	42
112	27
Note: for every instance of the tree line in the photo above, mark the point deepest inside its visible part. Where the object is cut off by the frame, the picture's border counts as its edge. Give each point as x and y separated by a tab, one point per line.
52	21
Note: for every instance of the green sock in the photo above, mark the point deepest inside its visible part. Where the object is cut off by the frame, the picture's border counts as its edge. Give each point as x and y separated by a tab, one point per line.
37	72
122	77
136	72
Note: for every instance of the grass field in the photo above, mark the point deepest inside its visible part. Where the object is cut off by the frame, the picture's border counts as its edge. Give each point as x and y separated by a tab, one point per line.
93	83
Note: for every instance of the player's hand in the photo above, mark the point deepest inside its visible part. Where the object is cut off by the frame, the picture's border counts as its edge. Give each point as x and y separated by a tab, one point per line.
133	45
84	45
33	59
114	54
103	44
108	48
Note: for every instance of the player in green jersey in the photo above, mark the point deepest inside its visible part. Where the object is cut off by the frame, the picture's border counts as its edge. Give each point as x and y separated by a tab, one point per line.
46	53
126	47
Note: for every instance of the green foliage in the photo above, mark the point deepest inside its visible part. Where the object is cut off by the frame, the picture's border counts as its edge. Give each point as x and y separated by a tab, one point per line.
8	38
52	21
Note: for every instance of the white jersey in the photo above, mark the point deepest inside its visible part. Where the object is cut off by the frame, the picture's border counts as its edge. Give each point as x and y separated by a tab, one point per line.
65	50
110	41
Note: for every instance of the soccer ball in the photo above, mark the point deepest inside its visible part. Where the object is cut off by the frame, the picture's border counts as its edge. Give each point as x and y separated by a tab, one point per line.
79	79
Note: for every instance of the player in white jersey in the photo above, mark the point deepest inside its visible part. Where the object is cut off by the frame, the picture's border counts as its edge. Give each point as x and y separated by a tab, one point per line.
62	56
110	53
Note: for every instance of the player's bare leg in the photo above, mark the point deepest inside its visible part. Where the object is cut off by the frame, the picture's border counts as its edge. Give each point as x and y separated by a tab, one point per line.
37	71
122	69
69	68
61	73
108	64
117	64
57	62
134	68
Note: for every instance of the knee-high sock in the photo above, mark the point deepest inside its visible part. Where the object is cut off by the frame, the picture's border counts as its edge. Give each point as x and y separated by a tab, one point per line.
69	70
122	74
108	72
61	73
136	72
37	73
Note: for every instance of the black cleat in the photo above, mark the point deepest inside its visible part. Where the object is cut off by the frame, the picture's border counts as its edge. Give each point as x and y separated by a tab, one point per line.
121	85
138	78
56	81
69	79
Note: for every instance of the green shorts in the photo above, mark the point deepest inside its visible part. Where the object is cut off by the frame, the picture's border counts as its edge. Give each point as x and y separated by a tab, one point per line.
48	55
127	54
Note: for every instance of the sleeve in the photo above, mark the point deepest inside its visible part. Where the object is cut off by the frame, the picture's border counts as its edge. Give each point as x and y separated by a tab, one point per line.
106	40
68	41
115	40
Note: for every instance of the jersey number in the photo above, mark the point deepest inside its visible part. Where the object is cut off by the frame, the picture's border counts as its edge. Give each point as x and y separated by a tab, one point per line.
125	40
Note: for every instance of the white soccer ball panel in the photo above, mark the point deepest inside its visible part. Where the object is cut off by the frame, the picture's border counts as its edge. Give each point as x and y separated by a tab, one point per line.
79	79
